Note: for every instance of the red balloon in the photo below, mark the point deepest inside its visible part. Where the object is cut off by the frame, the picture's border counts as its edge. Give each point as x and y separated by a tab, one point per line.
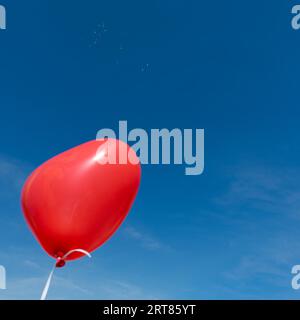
77	201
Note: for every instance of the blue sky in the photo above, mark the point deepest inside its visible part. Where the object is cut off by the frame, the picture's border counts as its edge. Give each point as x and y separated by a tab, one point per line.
68	70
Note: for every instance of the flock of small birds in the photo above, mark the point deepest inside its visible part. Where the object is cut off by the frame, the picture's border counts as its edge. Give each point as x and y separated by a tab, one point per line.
98	35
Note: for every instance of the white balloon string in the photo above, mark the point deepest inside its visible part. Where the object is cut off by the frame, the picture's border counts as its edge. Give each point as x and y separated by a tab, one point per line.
76	250
45	291
47	285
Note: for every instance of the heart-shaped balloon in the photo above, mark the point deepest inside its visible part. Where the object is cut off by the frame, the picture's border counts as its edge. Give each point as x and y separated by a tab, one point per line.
78	200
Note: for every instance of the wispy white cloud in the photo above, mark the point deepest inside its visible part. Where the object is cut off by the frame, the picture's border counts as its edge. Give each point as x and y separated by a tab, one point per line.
31	264
12	173
61	288
265	189
30	288
269	268
122	290
27	277
145	240
263	204
27	272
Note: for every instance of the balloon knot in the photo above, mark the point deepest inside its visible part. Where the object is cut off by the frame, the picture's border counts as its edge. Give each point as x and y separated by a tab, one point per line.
60	262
